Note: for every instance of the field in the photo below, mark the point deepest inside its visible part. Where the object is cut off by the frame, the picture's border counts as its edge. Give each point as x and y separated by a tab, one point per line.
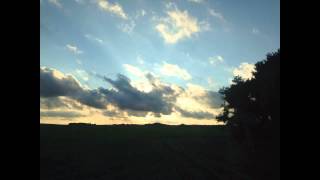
139	152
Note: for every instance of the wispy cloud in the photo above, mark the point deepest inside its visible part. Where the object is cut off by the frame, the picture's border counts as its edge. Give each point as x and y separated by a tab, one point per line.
177	25
140	60
174	70
78	61
245	71
140	13
79	1
127	27
91	37
255	31
134	70
215	60
55	3
196	1
217	15
74	49
82	74
211	82
114	8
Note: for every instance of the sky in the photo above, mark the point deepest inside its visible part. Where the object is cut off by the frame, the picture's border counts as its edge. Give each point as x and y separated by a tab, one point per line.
142	61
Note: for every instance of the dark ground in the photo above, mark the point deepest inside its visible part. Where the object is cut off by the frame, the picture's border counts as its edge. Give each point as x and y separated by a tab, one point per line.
139	152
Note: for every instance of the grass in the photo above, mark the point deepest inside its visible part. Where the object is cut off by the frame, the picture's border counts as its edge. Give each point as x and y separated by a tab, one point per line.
139	152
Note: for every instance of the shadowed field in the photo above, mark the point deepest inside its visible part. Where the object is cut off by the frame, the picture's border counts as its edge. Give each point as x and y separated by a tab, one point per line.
139	152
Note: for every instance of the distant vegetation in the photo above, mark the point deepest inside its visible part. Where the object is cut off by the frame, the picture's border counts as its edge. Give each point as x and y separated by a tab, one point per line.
81	124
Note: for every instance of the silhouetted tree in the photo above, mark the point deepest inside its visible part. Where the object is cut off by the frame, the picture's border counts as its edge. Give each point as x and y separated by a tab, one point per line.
252	111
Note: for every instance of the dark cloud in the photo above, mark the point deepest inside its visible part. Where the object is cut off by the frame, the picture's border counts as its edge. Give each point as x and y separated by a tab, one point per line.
197	114
137	113
58	102
125	96
128	97
53	86
160	100
92	98
213	99
51	103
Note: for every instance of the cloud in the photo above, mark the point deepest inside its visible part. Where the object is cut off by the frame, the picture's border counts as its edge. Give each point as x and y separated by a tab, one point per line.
177	25
140	13
195	114
125	96
215	60
64	114
140	60
217	15
112	8
212	83
78	61
134	70
197	102
127	27
80	1
245	71
60	93
55	3
59	102
74	49
82	74
91	37
255	31
54	84
211	98
196	1
174	70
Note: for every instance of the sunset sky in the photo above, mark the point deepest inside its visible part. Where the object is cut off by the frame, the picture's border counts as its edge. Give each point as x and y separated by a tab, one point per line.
147	61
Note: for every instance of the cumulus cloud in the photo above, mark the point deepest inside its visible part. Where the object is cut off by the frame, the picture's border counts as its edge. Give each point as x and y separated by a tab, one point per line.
177	25
175	70
197	101
62	92
126	96
54	83
245	71
55	3
73	49
114	8
211	98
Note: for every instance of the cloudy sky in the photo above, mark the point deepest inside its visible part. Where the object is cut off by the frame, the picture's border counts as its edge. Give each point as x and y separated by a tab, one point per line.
143	61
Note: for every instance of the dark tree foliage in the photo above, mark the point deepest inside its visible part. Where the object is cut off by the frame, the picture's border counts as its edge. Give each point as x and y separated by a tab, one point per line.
252	111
